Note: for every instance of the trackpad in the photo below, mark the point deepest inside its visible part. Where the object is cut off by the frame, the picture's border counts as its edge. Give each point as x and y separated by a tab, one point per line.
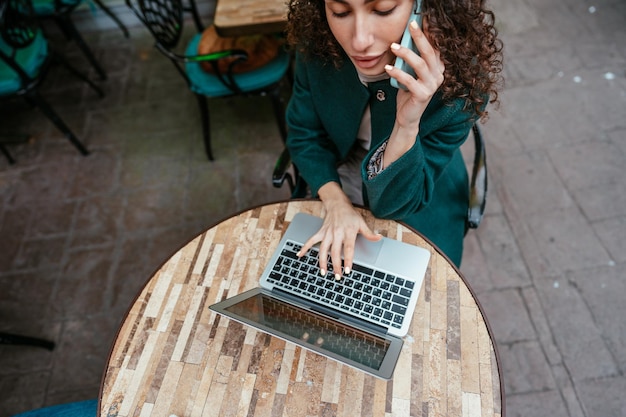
366	251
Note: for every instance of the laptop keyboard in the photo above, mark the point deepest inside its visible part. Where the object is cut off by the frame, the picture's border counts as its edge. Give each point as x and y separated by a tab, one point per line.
372	295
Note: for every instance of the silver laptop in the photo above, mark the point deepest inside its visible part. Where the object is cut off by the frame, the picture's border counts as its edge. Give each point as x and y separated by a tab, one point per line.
358	320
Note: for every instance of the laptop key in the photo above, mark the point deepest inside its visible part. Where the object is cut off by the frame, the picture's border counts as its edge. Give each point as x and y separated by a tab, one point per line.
398	309
400	300
363	269
288	254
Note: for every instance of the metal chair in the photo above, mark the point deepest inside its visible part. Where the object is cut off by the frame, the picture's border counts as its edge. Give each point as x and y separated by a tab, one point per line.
25	57
164	19
478	182
61	12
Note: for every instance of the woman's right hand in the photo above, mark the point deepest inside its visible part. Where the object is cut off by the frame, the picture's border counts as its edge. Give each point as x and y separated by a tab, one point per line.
342	223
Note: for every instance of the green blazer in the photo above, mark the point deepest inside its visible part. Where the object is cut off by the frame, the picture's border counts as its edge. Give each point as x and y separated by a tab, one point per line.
427	188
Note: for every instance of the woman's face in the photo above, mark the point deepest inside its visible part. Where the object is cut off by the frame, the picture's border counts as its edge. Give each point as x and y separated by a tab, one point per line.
366	28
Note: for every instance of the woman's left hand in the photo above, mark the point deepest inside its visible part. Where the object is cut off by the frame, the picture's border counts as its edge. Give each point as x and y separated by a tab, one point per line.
429	70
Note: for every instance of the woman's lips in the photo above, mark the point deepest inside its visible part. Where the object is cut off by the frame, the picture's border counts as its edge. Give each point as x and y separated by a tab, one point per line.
366	62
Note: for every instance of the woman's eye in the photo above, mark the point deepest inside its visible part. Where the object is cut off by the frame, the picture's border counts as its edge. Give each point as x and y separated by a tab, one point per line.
384	12
341	14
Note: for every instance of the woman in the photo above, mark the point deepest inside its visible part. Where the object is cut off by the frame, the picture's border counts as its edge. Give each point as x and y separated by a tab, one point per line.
357	140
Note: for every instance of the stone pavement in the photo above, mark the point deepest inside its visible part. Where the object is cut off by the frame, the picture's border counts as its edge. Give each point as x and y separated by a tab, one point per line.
81	235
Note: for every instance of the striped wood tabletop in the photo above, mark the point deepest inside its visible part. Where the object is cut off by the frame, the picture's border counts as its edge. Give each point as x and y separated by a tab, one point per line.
250	17
172	355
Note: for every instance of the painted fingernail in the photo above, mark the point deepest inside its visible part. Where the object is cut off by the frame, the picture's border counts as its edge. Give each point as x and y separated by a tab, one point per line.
395	46
414	24
347	270
388	67
322	272
337	277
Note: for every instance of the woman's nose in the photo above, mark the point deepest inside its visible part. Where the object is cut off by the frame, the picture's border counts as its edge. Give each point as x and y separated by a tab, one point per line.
363	36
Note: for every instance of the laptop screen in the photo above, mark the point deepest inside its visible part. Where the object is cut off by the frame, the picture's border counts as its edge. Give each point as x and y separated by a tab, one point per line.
314	330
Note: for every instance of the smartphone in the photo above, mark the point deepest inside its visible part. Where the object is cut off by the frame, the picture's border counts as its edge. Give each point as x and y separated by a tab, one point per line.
407	42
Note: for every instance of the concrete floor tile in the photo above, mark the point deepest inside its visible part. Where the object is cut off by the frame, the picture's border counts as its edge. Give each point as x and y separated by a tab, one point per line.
25	297
532	120
536	404
134	264
577	334
568	390
72	298
57	221
254	170
95	176
151	206
602	289
36	186
618	137
24	359
503	259
525	368
541	326
588	164
145	171
81	354
564	241
603	396
602	202
98	221
508	316
532	185
605	106
14	226
474	265
23	392
212	189
611	233
501	140
40	253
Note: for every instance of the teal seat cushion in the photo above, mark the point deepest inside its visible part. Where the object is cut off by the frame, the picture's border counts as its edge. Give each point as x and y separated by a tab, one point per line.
77	409
46	7
209	85
30	59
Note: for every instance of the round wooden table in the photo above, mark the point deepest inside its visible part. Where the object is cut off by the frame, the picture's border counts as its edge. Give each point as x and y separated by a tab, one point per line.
173	355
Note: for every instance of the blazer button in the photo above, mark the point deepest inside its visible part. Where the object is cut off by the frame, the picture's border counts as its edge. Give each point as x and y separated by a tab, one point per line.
380	95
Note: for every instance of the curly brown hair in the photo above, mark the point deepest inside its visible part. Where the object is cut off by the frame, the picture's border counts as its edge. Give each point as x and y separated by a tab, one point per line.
463	31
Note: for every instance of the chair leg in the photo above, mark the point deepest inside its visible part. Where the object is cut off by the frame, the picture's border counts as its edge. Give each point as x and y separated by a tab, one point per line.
206	128
191	7
108	11
12	339
67	26
8	155
35	99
